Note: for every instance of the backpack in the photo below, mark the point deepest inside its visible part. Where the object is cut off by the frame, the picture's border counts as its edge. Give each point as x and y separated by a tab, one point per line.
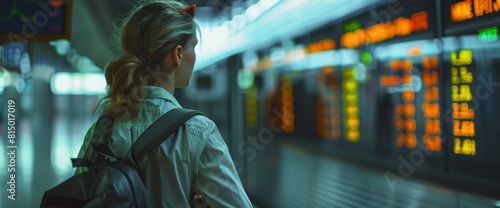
113	181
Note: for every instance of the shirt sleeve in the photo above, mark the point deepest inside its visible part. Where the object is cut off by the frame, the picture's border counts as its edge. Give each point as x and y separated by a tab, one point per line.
217	177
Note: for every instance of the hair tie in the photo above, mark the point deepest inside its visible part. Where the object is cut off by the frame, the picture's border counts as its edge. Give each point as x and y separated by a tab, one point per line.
145	60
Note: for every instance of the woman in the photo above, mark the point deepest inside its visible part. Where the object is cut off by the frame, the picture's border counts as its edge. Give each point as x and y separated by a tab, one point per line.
158	41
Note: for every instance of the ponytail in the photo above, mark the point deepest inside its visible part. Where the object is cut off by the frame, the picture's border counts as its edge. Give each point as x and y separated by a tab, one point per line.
125	77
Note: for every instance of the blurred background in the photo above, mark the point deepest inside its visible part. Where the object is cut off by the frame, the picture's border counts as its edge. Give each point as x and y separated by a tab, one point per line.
322	103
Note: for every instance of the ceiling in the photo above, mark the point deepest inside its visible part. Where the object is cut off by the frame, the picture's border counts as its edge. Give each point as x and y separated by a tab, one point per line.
92	22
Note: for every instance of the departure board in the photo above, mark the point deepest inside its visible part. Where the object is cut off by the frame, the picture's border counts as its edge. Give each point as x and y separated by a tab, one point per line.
466	16
350	102
251	113
401	76
324	73
471	53
328	121
327	79
431	106
291	105
342	90
412	86
393	91
287	104
393	21
463	126
410	77
278	101
337	105
472	82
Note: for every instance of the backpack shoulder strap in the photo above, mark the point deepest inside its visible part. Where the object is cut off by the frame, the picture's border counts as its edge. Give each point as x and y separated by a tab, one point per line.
159	131
97	149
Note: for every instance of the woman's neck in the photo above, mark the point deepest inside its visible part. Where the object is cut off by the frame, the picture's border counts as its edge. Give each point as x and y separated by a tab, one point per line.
168	84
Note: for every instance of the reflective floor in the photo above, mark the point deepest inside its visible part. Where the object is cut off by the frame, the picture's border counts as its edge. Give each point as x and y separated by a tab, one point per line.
42	160
307	179
50	130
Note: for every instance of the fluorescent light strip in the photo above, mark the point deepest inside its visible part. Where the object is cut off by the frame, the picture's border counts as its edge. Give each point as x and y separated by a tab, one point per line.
285	20
63	83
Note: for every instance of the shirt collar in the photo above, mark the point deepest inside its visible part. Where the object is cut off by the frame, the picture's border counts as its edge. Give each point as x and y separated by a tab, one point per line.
158	92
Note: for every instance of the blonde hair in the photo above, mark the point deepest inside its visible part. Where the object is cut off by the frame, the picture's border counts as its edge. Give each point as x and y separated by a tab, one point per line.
146	36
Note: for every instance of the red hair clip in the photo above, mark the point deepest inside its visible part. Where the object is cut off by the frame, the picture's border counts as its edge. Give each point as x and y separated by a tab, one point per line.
191	9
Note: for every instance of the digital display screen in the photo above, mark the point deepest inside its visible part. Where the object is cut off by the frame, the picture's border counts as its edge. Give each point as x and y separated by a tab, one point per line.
462	78
24	20
410	80
350	100
328	121
251	113
472	81
391	92
281	104
395	20
461	16
326	100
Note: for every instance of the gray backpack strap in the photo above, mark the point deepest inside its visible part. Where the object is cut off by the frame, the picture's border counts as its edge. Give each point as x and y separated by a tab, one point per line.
159	131
97	150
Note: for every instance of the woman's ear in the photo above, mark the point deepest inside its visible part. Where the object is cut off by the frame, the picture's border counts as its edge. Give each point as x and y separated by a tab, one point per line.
177	55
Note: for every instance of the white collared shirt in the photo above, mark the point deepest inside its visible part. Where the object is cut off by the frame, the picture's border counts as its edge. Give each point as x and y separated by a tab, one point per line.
195	156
